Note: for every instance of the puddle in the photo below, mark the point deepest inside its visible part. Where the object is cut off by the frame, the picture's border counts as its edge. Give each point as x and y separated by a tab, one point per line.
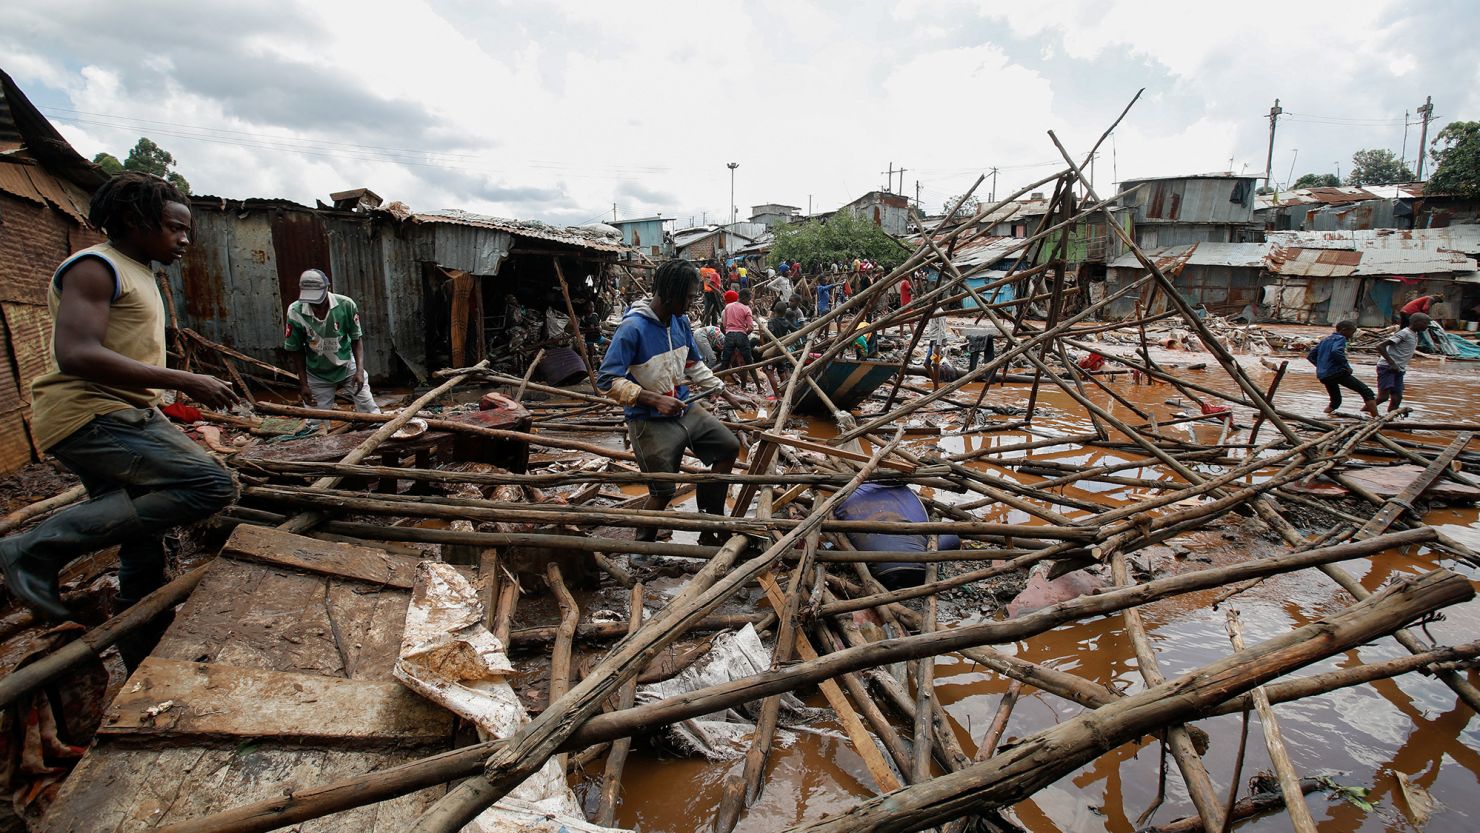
1362	736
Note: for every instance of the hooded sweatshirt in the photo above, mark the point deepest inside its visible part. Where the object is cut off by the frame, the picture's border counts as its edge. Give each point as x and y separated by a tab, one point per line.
645	355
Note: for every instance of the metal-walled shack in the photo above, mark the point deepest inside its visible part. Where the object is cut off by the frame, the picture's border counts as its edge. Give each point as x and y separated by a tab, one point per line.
412	275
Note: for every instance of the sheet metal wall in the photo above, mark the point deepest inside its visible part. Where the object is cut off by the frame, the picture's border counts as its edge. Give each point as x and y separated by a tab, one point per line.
235	284
1191	200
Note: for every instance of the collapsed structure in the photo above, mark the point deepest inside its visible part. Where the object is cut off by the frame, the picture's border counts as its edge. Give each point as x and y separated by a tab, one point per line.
273	700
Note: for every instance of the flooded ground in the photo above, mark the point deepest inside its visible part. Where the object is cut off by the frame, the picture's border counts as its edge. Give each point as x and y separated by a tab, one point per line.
1366	736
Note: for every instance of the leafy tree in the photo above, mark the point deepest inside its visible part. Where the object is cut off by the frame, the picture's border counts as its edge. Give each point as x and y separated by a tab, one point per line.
1378	166
1316	181
147	158
967	209
841	237
1456	155
109	163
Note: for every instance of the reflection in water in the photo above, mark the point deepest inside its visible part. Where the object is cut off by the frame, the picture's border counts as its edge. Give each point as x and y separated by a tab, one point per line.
1362	737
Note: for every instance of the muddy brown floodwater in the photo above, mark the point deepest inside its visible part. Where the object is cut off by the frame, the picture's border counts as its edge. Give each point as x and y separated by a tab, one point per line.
1365	736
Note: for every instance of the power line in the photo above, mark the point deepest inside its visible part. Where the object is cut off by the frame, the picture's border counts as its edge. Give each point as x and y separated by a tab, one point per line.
337	150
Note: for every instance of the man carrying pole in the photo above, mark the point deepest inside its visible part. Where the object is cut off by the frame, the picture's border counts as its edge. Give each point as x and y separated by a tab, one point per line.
648	369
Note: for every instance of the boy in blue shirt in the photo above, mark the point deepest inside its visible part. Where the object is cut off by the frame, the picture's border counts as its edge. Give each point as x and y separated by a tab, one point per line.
1335	372
648	367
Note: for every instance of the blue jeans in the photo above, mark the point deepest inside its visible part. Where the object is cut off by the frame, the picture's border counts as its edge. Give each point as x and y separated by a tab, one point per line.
143	477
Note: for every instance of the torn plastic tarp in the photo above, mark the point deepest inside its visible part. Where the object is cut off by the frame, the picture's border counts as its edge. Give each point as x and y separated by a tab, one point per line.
451	658
725	735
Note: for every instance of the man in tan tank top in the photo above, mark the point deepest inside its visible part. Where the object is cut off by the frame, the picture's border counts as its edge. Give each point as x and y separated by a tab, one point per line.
95	411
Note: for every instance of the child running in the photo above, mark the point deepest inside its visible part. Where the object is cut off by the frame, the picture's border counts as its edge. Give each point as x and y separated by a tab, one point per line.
1335	372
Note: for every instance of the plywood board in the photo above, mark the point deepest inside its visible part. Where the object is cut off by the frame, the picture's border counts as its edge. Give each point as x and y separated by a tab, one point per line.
273	618
122	787
273	546
169	698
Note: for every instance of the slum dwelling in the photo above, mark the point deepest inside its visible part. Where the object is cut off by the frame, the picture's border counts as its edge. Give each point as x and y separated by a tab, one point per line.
445	618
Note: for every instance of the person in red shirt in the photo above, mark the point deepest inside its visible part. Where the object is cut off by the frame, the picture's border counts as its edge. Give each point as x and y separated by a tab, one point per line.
906	295
712	292
1419	304
738	322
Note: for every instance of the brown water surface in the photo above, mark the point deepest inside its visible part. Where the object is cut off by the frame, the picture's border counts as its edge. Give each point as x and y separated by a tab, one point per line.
1364	736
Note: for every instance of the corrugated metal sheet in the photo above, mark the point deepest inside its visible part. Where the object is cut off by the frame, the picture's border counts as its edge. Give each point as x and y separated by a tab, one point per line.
1192	200
536	231
227	288
1245	255
15	442
1463	238
473	249
13	181
29	327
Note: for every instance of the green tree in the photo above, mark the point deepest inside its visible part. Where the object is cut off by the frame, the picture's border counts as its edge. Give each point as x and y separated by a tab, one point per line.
1456	155
109	163
147	158
1316	181
967	209
1378	166
841	237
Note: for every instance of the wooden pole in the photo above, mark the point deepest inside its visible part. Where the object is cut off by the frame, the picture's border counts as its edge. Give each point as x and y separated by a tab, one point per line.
924	692
317	801
1283	767
1049	755
1179	741
616	760
570	616
575	323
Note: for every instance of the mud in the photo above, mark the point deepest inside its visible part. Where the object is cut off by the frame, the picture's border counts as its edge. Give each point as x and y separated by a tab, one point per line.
1365	736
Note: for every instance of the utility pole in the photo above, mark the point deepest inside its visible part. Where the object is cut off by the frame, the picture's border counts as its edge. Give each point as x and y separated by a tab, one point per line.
901	180
809	205
889	183
1427	111
917	199
614	212
993	198
1274	116
1403	157
732	166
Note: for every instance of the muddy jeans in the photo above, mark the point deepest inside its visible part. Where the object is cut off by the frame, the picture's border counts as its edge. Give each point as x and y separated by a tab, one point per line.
168	481
658	445
323	392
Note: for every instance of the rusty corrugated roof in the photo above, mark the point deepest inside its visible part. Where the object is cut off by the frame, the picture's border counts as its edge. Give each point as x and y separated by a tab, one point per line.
521	228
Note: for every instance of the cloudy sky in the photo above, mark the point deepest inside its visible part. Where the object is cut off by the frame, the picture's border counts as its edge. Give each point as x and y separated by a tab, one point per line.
560	110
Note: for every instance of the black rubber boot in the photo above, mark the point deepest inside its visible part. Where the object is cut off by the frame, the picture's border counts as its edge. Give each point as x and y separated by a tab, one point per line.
32	560
134	647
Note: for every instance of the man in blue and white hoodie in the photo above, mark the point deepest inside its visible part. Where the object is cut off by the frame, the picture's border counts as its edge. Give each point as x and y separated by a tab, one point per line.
648	368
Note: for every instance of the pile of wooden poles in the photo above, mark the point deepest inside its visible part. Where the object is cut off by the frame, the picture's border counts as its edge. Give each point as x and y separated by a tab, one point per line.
785	543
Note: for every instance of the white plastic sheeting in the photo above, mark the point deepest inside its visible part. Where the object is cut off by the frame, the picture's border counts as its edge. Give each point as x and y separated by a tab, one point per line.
449	657
726	735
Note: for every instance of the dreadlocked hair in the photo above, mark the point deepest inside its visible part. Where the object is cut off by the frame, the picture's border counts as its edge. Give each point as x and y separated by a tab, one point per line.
673	281
132	200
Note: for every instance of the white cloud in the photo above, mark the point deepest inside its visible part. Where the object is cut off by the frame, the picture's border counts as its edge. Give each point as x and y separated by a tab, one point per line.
559	110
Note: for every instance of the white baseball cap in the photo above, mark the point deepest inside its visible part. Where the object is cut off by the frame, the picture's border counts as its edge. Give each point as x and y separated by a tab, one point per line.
313	286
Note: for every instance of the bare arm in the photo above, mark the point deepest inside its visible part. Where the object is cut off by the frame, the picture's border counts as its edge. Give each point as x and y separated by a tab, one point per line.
81	325
300	366
357	347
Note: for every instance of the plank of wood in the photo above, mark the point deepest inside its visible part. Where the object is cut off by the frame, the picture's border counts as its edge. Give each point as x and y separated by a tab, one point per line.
273	546
1404	501
834	451
863	741
1390	481
222	701
124	788
260	616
